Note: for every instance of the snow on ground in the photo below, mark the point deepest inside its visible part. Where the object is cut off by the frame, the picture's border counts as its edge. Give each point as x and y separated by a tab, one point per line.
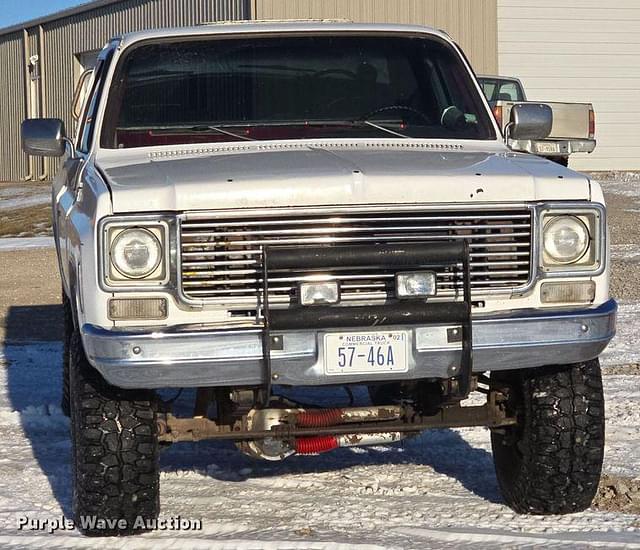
435	491
624	347
20	243
21	196
620	183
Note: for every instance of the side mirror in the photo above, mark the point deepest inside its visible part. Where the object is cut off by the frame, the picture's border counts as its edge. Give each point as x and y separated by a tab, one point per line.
44	137
530	121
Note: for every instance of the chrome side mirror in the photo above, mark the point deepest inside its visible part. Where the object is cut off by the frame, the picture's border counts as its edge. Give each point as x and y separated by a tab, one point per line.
530	121
44	137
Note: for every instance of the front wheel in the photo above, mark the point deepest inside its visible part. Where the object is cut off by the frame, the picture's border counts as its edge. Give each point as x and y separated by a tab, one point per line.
550	463
115	451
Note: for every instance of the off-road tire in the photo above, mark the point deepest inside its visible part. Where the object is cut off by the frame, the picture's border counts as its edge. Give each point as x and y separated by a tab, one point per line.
115	450
551	462
66	350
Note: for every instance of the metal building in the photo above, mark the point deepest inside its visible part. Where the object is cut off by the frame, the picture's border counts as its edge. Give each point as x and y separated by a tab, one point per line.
41	60
580	50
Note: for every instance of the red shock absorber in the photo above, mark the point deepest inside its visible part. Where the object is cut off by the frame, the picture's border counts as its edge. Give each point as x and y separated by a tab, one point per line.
315	445
319	419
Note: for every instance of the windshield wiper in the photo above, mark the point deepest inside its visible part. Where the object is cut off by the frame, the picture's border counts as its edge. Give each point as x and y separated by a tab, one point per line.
222	128
383	129
208	128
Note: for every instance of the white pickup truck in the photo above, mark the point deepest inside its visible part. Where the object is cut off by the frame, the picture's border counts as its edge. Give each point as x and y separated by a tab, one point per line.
256	210
574	124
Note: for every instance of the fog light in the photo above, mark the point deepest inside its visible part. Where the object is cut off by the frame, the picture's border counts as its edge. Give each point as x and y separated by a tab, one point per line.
319	293
416	284
137	309
560	293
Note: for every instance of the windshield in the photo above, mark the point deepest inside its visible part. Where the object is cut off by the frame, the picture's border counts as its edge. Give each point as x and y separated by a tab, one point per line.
292	87
496	89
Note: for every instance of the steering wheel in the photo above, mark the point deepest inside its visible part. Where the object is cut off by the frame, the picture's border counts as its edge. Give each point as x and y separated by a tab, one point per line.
406	108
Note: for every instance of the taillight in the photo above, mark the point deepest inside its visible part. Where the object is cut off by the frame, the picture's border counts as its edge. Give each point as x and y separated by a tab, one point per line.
497	113
592	124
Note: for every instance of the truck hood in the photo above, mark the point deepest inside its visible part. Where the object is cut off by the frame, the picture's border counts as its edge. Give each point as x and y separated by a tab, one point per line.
255	176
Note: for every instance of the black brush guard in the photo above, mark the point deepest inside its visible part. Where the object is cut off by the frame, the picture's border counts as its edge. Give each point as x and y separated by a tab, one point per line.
448	254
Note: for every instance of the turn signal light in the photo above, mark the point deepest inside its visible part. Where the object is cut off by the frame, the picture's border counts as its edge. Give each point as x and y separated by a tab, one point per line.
568	293
137	309
592	124
497	113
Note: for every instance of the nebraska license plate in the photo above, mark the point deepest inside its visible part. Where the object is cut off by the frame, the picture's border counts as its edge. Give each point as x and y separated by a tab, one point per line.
366	352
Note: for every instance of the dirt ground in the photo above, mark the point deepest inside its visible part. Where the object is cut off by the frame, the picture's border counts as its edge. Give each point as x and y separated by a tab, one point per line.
29	295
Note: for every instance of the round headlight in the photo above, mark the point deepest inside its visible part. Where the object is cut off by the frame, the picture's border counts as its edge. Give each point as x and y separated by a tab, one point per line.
566	239
136	253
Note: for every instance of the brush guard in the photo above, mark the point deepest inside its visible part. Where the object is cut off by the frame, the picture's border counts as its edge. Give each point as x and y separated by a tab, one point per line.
446	254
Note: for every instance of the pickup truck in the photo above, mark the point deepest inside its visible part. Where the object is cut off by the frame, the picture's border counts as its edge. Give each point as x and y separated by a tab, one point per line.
253	211
574	124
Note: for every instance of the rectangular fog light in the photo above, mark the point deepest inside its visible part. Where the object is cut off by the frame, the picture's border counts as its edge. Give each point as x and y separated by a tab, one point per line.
416	284
319	293
137	309
568	293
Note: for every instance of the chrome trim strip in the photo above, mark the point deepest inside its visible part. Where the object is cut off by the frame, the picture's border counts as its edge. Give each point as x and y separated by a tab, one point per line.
203	356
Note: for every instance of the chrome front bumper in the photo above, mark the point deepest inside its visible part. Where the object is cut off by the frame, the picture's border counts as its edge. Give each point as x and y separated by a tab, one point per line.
192	357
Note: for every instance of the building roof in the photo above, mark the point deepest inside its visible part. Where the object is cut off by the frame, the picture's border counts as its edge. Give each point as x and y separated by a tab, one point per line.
82	8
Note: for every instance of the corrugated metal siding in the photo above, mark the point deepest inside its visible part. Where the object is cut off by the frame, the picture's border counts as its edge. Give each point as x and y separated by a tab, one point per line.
580	50
13	164
64	38
472	23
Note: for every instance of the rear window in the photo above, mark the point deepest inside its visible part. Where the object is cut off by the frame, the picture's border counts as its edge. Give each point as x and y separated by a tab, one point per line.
501	90
292	87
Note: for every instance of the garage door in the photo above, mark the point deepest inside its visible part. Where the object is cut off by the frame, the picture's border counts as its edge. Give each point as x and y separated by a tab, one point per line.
580	50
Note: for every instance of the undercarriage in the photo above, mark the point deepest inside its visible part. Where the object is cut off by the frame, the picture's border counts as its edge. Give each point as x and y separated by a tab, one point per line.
283	429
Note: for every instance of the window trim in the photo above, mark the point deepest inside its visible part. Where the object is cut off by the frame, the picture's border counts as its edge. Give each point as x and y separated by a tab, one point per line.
115	67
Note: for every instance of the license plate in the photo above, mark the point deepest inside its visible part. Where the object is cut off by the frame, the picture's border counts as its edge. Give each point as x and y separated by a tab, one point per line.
366	352
548	148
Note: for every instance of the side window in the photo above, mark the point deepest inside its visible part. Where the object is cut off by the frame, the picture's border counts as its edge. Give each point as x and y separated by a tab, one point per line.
509	92
88	124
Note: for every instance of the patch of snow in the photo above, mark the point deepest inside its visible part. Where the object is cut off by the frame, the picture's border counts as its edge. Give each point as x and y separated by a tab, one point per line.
20	243
620	183
624	348
23	202
627	252
22	196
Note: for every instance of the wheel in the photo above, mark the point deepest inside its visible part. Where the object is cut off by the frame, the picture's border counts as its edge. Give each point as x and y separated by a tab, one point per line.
115	451
66	344
550	463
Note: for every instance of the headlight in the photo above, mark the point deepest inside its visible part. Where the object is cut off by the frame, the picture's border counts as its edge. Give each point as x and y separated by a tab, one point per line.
566	239
136	253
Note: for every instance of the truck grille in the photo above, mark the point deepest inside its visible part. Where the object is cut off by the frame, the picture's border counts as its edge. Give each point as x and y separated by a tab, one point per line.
221	258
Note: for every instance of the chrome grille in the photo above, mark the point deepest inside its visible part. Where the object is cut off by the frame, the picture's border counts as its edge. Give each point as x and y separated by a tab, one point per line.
221	258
